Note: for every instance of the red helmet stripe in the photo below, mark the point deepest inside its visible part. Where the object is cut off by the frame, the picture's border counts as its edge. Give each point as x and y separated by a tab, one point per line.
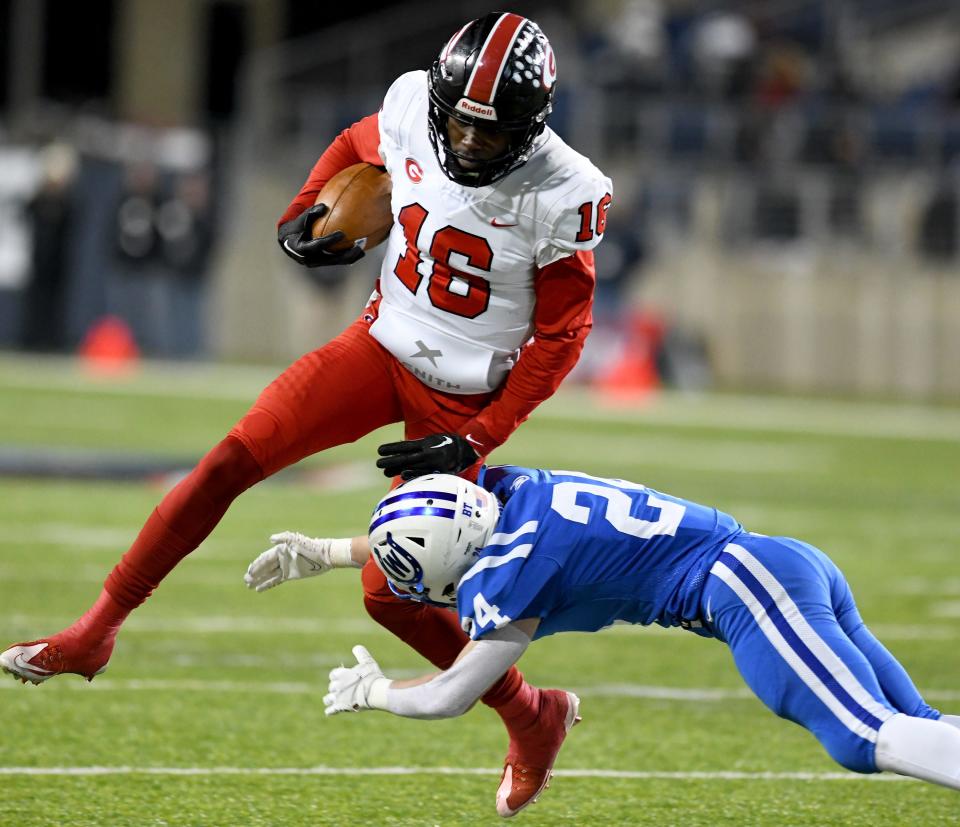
493	57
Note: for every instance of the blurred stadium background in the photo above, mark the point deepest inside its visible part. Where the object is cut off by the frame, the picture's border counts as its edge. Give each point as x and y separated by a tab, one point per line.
786	176
784	242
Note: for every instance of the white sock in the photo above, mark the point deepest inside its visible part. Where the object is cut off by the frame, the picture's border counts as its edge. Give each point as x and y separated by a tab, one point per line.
921	748
953	720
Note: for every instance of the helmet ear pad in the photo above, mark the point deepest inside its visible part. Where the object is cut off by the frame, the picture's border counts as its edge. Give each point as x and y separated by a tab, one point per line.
425	534
498	72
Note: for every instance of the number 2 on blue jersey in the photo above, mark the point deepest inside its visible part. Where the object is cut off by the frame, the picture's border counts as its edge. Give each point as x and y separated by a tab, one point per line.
620	499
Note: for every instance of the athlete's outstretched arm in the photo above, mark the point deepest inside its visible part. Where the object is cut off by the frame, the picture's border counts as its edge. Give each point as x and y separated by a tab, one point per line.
294	556
444	694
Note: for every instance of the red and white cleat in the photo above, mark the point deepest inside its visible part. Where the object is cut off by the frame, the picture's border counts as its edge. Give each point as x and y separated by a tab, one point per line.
41	660
530	759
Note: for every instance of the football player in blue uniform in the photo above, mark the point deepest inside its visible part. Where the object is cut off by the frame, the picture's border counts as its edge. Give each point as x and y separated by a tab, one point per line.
528	553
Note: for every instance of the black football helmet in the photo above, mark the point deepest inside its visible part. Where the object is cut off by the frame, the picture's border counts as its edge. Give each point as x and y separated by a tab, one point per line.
499	73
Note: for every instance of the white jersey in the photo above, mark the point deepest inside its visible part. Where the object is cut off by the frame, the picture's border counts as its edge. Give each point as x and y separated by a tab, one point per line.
457	278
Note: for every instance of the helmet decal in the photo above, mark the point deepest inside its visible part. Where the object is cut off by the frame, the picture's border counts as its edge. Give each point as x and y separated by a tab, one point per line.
425	534
549	69
422	511
494	55
444	496
399	563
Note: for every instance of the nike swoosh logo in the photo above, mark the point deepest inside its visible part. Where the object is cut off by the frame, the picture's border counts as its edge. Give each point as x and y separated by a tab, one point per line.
21	663
495	223
469	438
445	441
289	249
708	613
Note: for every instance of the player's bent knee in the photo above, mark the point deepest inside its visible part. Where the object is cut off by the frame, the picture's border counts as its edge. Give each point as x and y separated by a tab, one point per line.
228	469
851	752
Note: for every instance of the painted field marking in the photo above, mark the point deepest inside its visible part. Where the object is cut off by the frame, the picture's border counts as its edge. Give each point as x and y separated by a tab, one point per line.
256	623
684	694
253	623
638	775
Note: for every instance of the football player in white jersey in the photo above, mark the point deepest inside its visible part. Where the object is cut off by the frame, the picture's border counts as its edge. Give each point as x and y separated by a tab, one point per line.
482	307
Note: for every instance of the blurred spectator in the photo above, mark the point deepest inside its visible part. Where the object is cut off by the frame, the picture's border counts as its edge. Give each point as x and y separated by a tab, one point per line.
163	240
184	226
637	39
628	51
724	48
51	215
765	131
619	260
776	213
186	231
783	76
939	224
136	227
625	52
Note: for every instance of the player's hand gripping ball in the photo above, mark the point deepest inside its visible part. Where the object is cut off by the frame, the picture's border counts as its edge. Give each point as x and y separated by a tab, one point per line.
352	214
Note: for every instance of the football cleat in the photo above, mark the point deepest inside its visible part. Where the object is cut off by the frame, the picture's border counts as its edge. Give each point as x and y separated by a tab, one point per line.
41	660
529	763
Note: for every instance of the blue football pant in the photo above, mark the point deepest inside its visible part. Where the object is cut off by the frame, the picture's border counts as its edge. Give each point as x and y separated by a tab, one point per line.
788	615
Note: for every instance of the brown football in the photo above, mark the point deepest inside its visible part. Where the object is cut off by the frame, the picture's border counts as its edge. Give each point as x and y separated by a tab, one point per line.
359	202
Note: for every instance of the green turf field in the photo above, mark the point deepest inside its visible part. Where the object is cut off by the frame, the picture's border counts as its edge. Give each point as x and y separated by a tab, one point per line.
210	713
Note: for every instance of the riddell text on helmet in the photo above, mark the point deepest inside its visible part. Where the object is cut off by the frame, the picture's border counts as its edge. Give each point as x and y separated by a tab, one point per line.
478	109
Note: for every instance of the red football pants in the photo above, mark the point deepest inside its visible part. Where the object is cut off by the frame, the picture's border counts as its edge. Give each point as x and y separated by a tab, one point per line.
341	392
337	394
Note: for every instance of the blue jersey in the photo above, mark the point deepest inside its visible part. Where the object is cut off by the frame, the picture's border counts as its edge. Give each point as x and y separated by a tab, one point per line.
580	553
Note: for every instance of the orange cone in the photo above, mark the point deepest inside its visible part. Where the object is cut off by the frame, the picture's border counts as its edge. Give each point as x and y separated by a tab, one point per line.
109	347
634	376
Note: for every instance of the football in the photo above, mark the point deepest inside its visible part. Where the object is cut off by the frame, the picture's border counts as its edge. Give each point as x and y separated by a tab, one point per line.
359	202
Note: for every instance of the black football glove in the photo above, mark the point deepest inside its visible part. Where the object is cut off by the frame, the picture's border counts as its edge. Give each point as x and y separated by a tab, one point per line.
294	239
434	454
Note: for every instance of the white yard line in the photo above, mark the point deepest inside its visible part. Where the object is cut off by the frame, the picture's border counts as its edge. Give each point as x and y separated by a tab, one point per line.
637	775
260	621
695	694
253	623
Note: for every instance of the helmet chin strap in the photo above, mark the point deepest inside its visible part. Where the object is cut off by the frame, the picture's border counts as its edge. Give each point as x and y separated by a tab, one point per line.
487	172
419	598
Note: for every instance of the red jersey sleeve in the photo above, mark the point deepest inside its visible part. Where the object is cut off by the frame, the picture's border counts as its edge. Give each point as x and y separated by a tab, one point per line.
357	143
562	319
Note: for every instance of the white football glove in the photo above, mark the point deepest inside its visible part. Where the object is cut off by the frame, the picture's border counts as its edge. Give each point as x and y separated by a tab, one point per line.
295	556
355	688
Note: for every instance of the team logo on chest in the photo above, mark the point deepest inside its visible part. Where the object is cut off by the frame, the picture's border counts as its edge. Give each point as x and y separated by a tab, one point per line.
414	170
426	353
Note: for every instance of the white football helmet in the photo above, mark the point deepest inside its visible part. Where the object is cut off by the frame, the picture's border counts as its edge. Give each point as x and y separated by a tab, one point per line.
426	533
